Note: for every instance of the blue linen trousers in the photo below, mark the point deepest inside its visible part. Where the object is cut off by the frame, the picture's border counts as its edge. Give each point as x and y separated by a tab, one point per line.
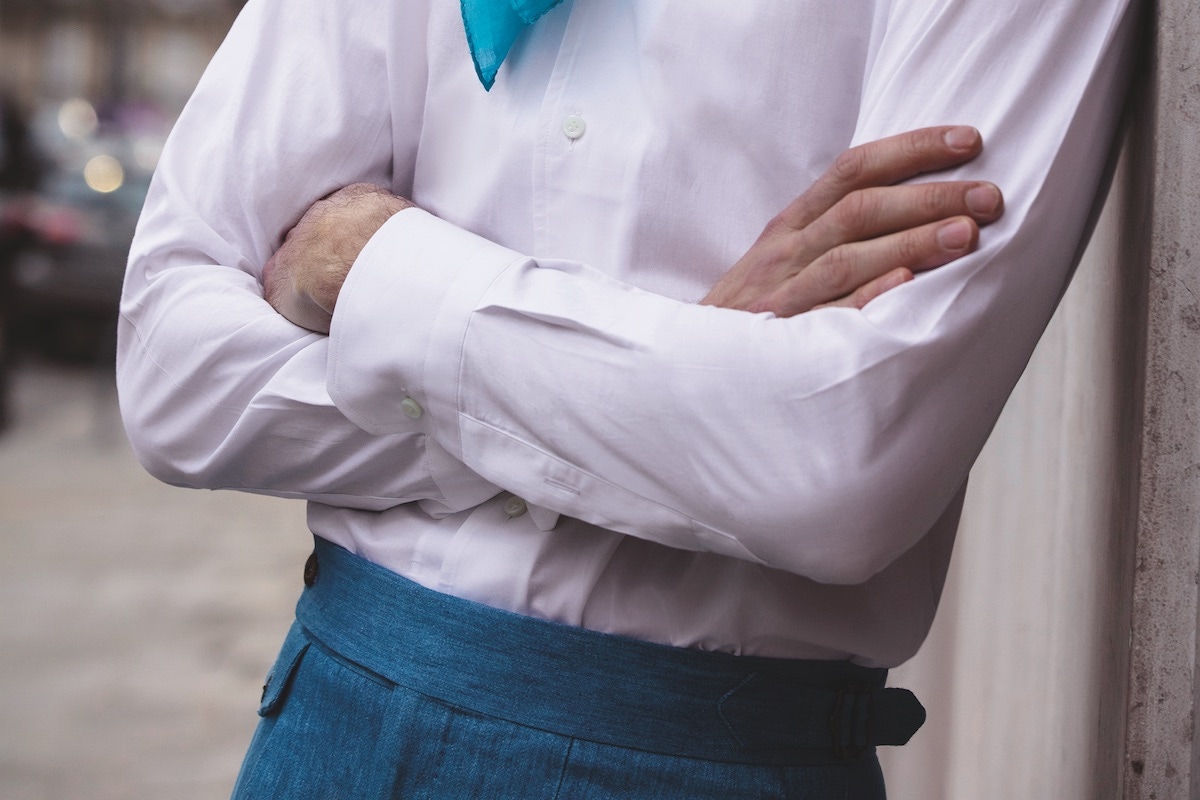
385	689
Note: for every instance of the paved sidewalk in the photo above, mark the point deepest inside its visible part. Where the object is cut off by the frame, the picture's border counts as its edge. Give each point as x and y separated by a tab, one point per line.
137	619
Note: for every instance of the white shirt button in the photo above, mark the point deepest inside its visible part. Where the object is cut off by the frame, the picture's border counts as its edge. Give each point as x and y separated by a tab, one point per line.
515	507
411	408
574	126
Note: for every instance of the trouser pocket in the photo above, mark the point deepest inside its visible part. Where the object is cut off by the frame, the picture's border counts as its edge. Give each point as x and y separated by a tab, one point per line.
326	729
279	679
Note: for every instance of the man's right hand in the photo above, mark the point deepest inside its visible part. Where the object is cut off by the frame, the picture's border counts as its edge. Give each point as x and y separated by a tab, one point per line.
854	234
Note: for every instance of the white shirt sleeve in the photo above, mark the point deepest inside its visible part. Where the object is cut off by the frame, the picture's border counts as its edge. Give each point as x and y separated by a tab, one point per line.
217	390
826	444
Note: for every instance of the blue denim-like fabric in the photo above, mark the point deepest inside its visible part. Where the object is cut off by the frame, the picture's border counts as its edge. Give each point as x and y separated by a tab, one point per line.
384	689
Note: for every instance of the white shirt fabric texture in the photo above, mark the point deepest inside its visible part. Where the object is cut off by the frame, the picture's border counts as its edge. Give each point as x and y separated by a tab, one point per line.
521	401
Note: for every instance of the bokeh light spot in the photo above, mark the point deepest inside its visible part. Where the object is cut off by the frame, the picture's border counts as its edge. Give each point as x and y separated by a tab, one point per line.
104	174
77	119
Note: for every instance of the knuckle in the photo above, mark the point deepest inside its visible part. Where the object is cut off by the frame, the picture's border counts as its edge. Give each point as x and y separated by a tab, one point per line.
778	226
834	272
914	248
776	259
939	199
854	213
849	167
926	142
916	150
872	208
930	141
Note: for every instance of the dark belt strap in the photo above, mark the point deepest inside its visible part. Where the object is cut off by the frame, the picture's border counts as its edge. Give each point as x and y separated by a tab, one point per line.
762	715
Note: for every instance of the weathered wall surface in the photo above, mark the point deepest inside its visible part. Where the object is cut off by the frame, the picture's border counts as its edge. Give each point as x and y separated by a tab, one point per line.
1162	748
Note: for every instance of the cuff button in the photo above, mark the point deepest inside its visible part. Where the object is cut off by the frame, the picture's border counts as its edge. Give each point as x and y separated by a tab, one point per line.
515	507
411	408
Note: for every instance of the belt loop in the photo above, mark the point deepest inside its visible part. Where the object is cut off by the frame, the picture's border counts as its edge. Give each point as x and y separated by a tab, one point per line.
848	723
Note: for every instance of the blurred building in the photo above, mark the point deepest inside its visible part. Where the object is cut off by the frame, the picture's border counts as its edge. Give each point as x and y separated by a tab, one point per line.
88	91
143	51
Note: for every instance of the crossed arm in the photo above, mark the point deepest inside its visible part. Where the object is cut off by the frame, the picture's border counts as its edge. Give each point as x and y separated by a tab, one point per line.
849	238
885	407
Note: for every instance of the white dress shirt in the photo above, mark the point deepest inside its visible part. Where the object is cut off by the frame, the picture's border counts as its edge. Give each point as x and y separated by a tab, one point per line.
520	401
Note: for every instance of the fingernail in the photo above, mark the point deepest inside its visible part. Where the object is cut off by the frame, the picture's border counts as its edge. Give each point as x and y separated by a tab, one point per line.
983	199
954	235
961	138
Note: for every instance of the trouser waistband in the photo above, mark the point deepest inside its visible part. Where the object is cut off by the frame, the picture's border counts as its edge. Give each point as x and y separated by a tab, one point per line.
594	686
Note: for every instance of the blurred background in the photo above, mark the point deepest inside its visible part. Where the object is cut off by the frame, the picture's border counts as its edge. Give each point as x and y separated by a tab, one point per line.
138	619
89	90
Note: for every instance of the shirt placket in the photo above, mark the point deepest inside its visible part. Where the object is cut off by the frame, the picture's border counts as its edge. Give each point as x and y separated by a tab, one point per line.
560	126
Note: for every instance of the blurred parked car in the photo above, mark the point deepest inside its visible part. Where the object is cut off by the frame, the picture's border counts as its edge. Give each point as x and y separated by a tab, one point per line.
20	172
66	281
